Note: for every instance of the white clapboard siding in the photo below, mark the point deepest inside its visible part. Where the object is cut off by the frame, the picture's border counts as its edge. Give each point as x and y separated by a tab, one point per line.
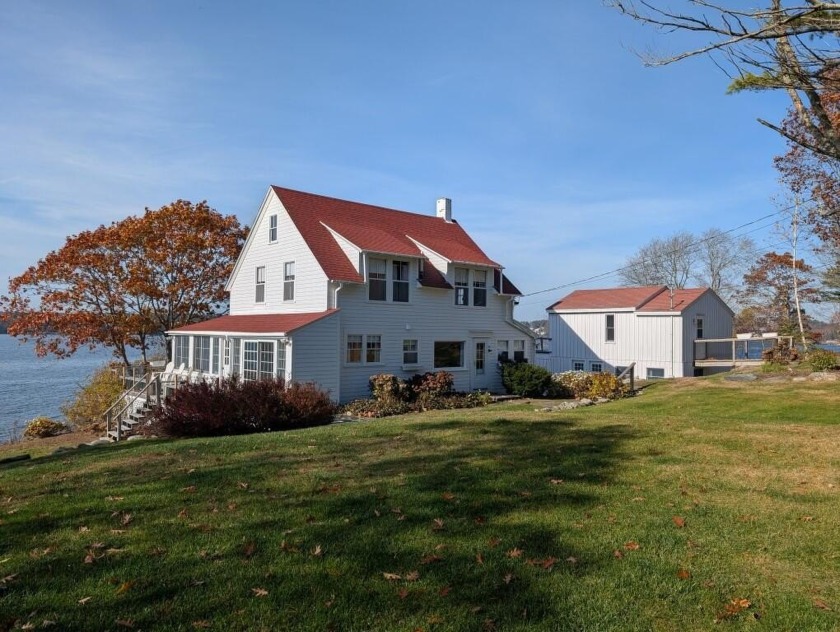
314	354
310	281
653	340
430	315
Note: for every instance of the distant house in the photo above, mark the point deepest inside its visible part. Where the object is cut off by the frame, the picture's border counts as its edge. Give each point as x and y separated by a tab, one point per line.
332	291
608	329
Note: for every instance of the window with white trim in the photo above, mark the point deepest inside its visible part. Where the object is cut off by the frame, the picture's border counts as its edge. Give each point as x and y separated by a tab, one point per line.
257	360
373	349
281	359
462	286
289	281
596	367
410	351
377	279
272	229
449	354
518	350
259	295
502	347
236	356
354	349
226	351
480	288
699	331
655	374
578	365
609	334
399	281
180	351
201	353
214	356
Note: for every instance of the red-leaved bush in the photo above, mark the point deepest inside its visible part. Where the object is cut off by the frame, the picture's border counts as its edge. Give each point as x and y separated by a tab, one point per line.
231	407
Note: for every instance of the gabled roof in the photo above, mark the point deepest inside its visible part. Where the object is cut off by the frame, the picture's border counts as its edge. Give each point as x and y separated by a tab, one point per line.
503	284
276	324
373	229
649	298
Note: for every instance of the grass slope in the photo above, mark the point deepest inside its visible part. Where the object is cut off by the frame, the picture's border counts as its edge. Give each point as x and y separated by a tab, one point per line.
701	502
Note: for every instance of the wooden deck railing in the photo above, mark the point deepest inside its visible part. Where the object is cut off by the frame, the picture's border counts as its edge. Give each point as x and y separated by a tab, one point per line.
724	352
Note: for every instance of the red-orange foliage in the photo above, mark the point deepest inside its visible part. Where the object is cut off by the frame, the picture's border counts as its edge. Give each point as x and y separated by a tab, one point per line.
118	285
768	286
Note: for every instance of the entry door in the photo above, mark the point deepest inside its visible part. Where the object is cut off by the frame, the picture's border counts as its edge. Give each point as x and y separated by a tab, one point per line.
480	365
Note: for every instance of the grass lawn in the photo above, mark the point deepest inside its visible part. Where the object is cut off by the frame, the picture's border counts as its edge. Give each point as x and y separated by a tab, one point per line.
701	504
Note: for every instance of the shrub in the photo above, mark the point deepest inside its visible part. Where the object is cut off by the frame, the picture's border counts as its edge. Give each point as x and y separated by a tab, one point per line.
437	384
570	384
87	409
606	385
42	427
822	359
387	388
780	354
526	380
231	407
369	408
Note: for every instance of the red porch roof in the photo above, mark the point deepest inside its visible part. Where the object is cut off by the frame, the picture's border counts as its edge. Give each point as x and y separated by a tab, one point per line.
281	324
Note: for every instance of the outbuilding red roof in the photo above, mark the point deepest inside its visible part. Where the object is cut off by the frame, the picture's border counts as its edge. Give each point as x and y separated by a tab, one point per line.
255	323
373	229
648	298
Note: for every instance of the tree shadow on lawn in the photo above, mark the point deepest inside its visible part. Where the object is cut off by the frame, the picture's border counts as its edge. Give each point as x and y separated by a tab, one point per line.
386	532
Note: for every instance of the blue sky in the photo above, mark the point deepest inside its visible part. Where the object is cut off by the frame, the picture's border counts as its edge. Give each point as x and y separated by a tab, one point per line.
561	152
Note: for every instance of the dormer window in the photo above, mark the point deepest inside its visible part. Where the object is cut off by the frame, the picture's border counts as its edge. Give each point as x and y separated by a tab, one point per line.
377	283
462	286
480	288
400	281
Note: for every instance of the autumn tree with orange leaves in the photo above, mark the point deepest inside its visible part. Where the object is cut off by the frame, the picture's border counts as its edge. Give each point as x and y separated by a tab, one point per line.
122	285
769	291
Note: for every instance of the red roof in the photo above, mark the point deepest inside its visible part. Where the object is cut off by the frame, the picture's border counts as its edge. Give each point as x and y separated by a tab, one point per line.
649	298
256	323
373	229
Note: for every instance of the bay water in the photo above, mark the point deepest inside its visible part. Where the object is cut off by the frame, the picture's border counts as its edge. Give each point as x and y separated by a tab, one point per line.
32	387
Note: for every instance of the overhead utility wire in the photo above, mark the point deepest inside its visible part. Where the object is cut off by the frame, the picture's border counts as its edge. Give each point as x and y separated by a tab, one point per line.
617	270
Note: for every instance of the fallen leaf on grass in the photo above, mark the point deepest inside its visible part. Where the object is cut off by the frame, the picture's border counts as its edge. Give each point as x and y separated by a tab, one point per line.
508	578
402	593
683	574
733	609
188	489
242	485
391	577
112	498
448	496
259	592
479	559
249	549
125	623
572	560
413	576
632	545
678	521
317	551
125	587
445	591
494	542
182	513
201	625
430	559
437	524
514	552
556	481
819	603
807	518
84	600
618	554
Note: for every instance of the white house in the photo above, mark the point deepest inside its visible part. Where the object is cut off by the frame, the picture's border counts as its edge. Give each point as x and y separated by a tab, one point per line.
331	291
608	329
